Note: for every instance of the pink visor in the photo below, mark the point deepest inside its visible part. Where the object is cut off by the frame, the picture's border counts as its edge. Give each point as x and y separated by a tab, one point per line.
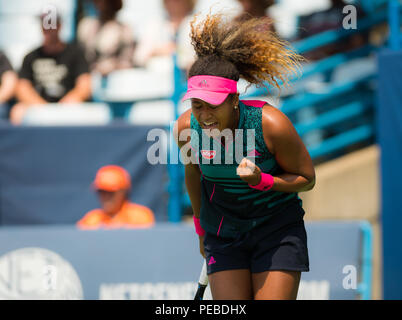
210	89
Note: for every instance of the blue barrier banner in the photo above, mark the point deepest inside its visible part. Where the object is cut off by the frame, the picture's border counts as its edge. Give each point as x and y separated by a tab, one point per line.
61	262
389	126
335	251
46	172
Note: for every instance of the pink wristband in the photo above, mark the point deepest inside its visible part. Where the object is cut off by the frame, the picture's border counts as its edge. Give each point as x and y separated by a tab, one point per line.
266	183
198	229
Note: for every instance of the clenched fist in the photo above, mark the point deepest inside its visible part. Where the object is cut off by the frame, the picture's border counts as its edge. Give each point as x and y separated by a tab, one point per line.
249	172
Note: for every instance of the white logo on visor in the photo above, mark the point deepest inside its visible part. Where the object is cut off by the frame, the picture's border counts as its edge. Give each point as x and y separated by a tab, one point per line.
203	83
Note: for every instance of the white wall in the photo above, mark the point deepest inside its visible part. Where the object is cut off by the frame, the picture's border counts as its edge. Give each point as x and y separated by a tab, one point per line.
137	13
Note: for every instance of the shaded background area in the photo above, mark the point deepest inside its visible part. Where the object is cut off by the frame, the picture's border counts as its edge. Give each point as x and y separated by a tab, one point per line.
46	173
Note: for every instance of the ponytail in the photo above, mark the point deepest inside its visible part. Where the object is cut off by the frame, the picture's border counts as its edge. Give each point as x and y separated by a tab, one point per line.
244	49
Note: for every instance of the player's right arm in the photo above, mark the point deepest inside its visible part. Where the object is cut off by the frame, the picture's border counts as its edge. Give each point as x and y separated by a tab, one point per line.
192	174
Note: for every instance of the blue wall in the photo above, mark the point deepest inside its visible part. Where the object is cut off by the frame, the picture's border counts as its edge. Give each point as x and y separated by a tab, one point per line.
389	126
46	172
162	262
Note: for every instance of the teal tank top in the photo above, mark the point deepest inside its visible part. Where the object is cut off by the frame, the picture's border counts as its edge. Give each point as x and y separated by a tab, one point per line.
229	206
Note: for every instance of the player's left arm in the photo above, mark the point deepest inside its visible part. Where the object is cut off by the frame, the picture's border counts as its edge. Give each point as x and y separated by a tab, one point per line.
285	144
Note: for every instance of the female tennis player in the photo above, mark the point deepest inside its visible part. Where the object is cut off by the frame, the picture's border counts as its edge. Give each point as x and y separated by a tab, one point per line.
248	215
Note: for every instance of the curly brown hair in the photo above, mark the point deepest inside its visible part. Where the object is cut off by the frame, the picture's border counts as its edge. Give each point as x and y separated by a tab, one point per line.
244	49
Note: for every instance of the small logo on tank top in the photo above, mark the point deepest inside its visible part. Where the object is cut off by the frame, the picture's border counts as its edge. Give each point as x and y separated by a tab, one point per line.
254	153
208	154
211	261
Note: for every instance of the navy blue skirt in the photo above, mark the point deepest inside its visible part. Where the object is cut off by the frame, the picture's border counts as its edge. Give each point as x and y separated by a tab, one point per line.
278	244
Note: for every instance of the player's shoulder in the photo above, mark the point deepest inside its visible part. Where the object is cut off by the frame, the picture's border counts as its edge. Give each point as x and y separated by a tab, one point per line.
254	103
275	126
274	121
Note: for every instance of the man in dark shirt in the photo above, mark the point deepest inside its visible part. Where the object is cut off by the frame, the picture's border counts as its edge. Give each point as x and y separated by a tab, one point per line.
54	72
8	83
330	19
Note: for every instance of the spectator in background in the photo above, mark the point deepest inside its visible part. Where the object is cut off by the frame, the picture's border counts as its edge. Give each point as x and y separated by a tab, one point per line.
112	183
330	19
255	9
54	72
164	37
8	84
109	44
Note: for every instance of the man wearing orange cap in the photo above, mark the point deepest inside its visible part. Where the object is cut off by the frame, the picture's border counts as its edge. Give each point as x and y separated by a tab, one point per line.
112	183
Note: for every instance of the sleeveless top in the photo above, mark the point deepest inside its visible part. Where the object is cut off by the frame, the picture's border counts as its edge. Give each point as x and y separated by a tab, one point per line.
229	206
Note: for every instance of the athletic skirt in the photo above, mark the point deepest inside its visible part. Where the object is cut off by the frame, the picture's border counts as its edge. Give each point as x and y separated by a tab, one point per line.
278	244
